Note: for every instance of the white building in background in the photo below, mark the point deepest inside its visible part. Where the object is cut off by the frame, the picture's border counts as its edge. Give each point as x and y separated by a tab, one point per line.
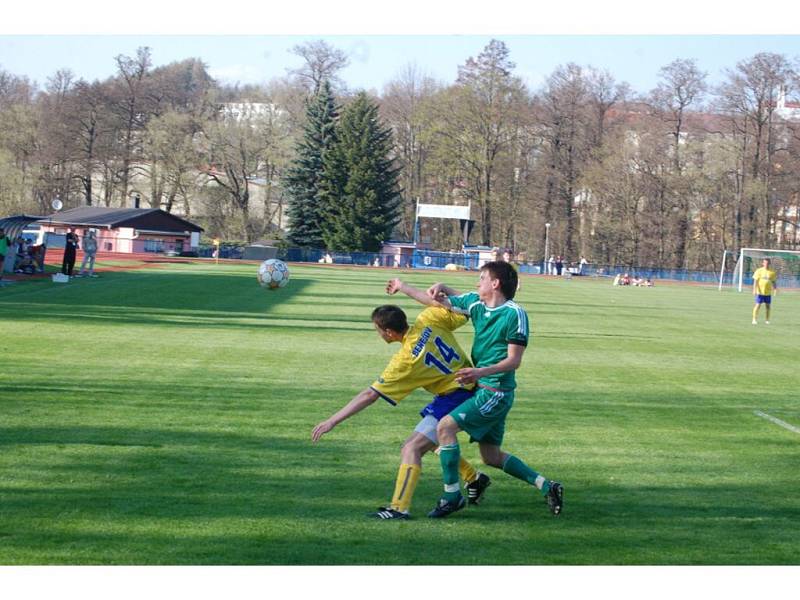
265	199
785	225
250	110
785	109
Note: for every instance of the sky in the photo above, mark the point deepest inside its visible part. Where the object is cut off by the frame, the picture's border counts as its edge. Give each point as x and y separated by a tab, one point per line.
376	59
249	41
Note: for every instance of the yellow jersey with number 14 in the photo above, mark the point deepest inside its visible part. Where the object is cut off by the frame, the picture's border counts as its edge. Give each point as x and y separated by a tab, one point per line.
429	358
764	280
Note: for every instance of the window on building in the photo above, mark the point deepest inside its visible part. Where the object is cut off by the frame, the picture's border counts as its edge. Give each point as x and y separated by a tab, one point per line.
154	245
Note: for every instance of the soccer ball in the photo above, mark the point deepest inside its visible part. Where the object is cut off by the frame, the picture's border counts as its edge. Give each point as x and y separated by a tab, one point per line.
273	274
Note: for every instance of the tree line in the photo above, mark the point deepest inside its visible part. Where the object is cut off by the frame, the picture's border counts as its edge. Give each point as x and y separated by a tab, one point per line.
670	177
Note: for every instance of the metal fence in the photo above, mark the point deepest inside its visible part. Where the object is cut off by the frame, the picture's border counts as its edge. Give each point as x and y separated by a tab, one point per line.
688	275
422	259
470	261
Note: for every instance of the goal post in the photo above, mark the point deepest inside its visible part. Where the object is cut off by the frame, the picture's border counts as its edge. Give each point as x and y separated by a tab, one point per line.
786	263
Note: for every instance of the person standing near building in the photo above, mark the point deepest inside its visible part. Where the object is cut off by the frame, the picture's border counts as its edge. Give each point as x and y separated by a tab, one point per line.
5	242
70	251
89	253
559	266
765	285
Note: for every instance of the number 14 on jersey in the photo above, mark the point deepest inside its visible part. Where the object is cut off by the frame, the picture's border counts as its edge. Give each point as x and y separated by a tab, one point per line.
448	354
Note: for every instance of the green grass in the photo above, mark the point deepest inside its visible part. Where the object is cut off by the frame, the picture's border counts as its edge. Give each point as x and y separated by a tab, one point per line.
163	416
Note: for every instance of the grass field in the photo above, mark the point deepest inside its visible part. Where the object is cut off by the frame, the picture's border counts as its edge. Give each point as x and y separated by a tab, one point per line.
163	416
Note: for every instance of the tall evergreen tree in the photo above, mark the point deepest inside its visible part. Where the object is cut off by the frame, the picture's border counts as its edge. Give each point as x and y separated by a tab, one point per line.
302	181
359	185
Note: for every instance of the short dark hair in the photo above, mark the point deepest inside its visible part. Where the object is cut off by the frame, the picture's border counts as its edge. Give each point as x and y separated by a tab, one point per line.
391	317
506	273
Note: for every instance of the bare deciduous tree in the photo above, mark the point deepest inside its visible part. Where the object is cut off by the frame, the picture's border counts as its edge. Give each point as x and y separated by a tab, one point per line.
478	121
321	61
129	104
406	106
682	86
750	96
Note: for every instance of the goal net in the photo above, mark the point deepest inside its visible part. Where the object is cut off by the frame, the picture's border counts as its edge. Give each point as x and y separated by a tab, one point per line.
786	263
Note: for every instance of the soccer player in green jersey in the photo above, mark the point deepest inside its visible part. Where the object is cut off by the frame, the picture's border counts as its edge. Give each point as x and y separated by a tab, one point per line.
429	358
501	336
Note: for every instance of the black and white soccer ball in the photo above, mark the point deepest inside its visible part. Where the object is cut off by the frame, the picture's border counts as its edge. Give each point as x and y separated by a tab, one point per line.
273	274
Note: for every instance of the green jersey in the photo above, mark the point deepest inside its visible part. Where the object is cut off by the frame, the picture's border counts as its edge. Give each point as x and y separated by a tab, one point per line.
495	329
3	245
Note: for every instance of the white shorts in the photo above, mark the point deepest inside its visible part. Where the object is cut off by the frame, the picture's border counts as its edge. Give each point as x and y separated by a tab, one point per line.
427	427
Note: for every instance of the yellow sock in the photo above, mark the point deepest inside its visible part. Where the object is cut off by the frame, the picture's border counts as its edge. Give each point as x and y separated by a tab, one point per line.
467	472
755	312
407	478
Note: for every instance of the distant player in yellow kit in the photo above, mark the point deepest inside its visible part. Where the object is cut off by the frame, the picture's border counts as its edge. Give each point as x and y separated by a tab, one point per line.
429	358
765	285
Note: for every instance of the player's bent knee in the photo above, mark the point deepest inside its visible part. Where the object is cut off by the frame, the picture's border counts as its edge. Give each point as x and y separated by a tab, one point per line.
409	456
447	426
415	447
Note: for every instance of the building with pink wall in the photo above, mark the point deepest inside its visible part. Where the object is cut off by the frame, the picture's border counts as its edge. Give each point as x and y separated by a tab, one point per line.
128	230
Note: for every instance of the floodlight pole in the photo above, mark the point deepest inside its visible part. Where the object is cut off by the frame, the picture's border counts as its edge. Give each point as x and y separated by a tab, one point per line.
56	205
741	268
416	223
722	268
546	246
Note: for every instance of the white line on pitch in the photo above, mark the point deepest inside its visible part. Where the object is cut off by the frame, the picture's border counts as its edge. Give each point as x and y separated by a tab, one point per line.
783	424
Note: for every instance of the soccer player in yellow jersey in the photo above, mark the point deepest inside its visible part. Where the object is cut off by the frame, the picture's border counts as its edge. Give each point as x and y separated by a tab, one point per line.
429	358
765	285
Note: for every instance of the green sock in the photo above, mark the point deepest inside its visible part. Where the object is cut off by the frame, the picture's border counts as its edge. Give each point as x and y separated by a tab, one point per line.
449	456
515	467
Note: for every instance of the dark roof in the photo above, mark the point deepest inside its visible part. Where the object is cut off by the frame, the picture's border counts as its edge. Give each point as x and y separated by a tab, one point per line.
138	218
13	226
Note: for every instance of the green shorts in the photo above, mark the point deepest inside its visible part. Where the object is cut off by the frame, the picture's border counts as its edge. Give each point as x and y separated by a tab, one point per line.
483	416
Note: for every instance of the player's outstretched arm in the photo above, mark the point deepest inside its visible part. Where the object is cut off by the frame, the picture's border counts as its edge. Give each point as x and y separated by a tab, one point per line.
439	290
357	404
396	285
